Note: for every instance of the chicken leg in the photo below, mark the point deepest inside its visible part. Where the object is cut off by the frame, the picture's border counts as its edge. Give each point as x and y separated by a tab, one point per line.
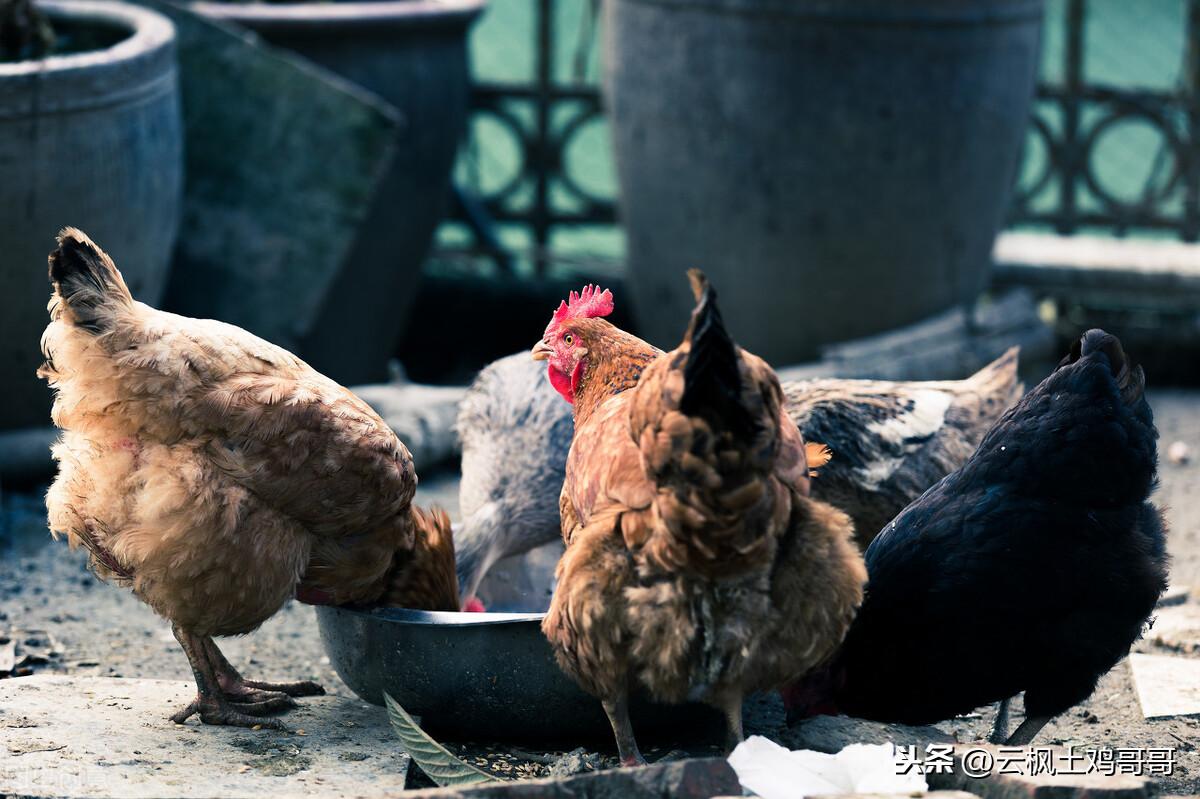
999	732
223	697
1027	730
1023	735
617	709
730	705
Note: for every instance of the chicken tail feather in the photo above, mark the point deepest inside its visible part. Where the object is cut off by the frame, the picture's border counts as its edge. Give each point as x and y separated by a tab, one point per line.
712	385
88	289
1131	380
425	579
999	377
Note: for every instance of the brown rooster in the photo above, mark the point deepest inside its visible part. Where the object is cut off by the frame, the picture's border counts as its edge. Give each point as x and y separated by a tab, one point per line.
218	475
697	567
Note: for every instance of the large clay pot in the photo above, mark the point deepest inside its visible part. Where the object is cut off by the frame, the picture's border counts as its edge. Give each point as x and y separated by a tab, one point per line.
93	140
413	54
837	168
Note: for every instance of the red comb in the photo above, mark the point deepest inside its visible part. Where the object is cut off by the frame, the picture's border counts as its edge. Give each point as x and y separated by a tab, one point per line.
583	305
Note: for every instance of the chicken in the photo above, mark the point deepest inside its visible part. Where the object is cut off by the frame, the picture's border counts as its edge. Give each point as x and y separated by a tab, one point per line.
697	568
217	475
893	440
1032	568
515	432
890	442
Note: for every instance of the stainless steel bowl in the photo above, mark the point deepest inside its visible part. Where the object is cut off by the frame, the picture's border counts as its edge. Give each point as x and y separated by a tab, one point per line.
483	677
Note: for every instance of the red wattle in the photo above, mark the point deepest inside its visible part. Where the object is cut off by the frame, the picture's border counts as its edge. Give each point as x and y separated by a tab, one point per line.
562	384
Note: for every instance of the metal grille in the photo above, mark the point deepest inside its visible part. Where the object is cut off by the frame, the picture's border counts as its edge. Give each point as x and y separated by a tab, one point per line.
1104	154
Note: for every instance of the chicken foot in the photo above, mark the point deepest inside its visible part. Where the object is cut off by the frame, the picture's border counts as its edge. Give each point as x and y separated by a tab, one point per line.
617	708
212	703
234	685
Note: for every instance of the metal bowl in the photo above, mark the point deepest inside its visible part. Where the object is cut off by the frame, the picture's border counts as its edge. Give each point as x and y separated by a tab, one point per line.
482	677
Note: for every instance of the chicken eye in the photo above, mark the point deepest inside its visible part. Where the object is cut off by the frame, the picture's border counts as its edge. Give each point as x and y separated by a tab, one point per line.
568	339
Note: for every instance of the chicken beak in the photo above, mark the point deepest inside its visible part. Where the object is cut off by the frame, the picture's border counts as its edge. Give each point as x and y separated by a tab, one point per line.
542	351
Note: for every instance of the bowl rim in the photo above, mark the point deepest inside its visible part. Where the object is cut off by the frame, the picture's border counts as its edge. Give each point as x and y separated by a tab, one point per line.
443	618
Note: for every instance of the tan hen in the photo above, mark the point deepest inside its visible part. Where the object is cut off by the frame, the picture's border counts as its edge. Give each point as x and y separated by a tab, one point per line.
218	475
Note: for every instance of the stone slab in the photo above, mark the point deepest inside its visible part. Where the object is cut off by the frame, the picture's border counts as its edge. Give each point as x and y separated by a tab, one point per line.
1008	772
101	738
832	734
917	795
1177	627
1166	686
1175	595
701	778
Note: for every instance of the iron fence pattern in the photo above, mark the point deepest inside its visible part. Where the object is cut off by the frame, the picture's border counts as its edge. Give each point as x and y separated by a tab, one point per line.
1068	182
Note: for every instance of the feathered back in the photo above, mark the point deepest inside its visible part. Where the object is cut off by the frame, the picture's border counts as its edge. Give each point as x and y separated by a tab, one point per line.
893	440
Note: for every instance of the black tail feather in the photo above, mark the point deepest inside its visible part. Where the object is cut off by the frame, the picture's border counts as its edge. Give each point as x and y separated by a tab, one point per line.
712	376
1131	380
87	282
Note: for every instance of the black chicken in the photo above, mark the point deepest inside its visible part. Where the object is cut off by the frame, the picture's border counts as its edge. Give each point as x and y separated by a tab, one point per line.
1032	568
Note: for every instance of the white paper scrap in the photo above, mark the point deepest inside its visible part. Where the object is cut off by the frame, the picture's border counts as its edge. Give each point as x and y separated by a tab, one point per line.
775	772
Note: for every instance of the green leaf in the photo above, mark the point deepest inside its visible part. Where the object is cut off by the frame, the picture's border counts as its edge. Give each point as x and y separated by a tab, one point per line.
438	763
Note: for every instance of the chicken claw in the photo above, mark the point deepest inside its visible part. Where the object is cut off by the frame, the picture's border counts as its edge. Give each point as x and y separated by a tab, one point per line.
224	712
300	688
224	698
234	685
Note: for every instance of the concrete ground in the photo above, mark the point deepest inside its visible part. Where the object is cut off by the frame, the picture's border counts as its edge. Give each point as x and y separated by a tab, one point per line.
97	630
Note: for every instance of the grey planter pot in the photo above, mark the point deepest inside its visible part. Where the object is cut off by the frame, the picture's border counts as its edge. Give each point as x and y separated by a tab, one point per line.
838	168
91	140
413	54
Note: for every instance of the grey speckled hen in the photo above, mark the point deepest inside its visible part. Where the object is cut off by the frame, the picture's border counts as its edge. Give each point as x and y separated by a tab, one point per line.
890	441
515	433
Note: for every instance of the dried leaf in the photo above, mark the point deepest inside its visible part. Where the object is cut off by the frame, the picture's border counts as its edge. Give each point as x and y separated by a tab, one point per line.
438	763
